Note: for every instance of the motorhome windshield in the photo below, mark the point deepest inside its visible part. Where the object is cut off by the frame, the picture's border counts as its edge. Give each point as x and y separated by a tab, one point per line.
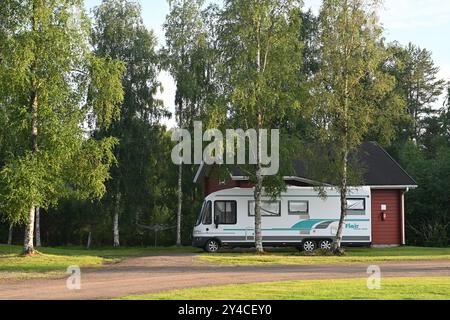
200	216
205	216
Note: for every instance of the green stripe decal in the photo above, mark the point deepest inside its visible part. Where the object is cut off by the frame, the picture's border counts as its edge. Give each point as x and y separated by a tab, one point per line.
308	224
302	225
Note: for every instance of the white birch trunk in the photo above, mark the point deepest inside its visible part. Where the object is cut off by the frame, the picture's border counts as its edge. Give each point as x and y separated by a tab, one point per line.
343	193
116	220
337	249
258	226
38	227
180	180
10	234
28	245
89	240
180	203
258	193
259	177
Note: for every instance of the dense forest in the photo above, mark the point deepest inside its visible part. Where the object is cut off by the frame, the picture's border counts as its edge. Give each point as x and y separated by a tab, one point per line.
85	159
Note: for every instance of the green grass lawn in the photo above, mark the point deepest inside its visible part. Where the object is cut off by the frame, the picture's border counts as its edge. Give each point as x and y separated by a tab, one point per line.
354	289
56	260
353	255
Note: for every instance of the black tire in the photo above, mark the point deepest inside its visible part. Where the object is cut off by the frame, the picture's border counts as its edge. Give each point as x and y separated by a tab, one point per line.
212	246
325	245
309	245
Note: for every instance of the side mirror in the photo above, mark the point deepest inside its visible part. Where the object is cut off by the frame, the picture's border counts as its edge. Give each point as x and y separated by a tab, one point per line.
216	221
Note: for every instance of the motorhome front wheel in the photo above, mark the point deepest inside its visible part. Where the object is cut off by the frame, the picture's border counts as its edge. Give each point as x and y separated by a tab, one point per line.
212	246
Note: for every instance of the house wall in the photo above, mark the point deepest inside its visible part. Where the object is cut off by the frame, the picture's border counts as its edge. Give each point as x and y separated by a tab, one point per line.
212	184
389	231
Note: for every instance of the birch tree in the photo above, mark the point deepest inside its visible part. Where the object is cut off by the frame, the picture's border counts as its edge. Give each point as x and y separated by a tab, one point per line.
120	33
349	85
49	84
261	56
185	38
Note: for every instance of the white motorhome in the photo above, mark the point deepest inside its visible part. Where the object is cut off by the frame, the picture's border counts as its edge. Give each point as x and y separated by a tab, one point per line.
300	218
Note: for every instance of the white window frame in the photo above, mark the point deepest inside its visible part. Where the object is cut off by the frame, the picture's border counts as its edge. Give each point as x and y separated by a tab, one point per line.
252	202
298	213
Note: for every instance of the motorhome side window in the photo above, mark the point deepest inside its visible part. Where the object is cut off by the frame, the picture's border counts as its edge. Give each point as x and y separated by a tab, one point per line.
225	212
356	206
268	208
298	207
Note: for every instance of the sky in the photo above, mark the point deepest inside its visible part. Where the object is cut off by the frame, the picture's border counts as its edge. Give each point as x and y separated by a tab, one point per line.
425	23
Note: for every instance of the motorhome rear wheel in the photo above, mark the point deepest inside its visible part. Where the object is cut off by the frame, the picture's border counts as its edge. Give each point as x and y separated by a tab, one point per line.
325	245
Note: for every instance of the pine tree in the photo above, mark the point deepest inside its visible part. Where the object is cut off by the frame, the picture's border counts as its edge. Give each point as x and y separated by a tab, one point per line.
418	82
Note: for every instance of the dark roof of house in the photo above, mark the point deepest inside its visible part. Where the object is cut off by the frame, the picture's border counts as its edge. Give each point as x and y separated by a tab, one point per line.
380	168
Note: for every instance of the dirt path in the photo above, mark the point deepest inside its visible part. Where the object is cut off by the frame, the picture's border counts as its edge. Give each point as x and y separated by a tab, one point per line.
160	273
